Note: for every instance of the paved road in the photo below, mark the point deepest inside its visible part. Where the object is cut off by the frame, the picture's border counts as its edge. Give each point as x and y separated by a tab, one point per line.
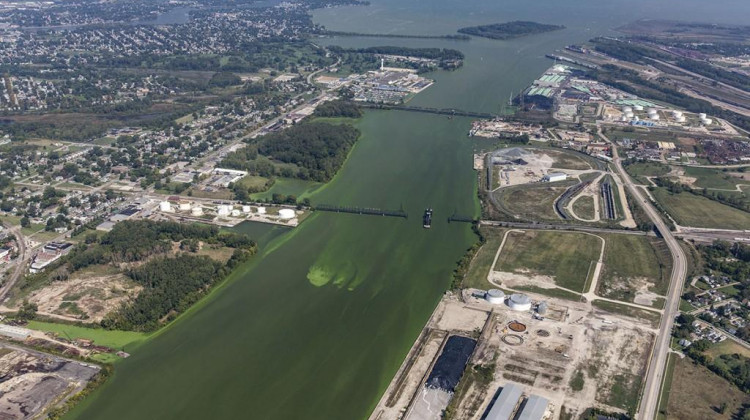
658	360
553	226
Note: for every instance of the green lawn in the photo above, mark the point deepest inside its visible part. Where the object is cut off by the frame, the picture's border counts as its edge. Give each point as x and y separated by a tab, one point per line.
643	169
114	339
566	256
551	292
289	186
630	259
584	207
532	202
252	181
650	316
696	211
713	178
476	276
666	388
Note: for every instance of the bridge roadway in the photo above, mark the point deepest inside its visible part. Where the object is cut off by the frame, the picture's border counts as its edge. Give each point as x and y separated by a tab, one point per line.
649	402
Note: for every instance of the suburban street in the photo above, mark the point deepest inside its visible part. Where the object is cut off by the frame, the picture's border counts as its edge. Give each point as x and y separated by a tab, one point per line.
649	403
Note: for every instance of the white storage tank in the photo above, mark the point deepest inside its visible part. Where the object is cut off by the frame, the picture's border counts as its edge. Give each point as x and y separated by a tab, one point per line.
677	114
652	111
629	115
654	117
246	209
223	209
185	206
627	109
519	302
680	119
165	206
638	108
287	214
261	210
197	211
495	296
707	121
702	115
236	213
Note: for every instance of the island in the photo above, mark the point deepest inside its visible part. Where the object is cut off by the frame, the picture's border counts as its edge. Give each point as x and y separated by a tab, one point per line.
509	30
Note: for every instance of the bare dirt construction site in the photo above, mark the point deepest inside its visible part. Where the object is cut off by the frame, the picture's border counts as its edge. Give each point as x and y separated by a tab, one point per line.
575	356
30	382
88	295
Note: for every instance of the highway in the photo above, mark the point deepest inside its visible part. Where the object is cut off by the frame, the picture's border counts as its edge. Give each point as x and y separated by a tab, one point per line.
649	403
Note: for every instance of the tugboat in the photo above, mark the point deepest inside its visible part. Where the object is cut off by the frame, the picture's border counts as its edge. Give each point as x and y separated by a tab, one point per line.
427	218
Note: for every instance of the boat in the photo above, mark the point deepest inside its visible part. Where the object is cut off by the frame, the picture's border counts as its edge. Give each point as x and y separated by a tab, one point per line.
427	218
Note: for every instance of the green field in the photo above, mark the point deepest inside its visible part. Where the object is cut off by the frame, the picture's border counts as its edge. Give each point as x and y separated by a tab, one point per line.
532	202
476	276
641	170
713	178
652	317
566	160
552	292
696	393
121	340
252	181
631	260
584	207
289	186
696	211
565	256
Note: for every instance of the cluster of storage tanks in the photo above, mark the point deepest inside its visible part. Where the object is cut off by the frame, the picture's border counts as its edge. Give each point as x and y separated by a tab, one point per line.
517	301
628	114
222	210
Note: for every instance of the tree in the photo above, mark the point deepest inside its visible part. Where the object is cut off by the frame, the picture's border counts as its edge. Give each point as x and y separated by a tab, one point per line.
28	311
25	222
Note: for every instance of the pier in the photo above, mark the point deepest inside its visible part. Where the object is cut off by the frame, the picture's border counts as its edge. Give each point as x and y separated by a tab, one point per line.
439	111
362	210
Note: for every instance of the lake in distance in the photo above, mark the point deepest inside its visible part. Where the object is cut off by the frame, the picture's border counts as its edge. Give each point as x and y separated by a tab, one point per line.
317	325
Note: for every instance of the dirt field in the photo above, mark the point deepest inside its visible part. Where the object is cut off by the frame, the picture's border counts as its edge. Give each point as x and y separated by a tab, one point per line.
31	381
697	394
89	295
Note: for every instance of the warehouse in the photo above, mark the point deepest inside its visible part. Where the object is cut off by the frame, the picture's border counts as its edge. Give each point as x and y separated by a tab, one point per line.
534	409
17	333
554	177
506	403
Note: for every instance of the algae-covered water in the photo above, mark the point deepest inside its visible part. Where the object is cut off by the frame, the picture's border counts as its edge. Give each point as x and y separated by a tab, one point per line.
316	326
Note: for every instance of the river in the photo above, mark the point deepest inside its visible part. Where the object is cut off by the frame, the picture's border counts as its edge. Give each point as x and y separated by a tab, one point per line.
316	326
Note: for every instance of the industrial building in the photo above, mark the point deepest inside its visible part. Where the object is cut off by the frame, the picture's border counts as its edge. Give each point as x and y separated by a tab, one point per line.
535	408
554	177
506	403
17	333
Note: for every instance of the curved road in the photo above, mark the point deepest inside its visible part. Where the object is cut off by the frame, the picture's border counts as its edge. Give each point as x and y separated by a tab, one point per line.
657	364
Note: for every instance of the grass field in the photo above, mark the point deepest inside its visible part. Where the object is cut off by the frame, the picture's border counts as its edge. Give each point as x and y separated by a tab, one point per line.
727	347
476	276
252	181
565	256
552	292
567	160
532	202
713	178
697	393
643	169
616	308
584	207
630	260
288	186
114	339
696	211
666	387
